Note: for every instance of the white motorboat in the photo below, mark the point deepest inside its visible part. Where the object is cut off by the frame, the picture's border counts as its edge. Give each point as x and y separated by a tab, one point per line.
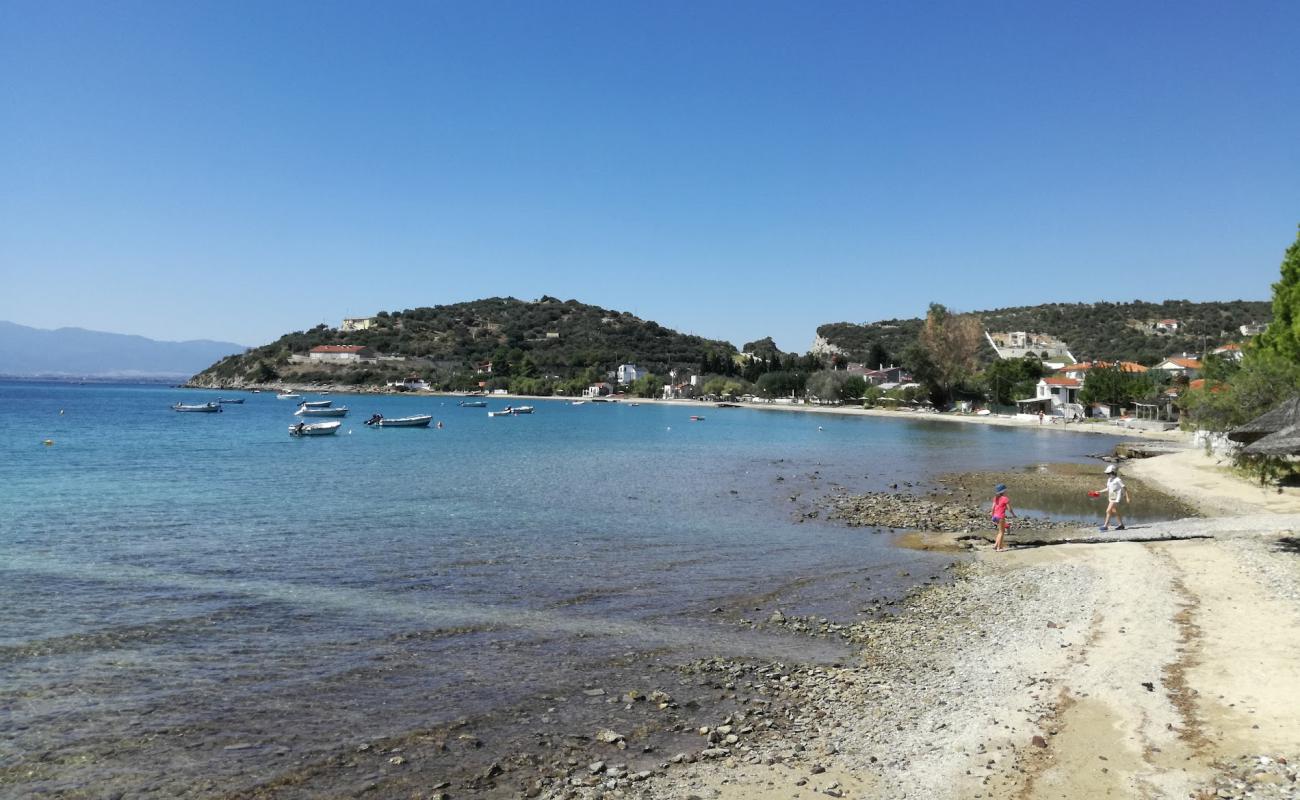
237	401
314	429
316	403
511	411
472	404
416	421
203	408
288	396
313	411
578	403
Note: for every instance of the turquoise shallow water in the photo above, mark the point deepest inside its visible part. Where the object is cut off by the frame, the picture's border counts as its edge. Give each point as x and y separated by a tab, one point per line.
207	572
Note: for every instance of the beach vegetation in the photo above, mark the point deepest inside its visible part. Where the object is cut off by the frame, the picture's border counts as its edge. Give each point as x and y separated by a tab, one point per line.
853	388
945	355
1282	336
1112	385
1005	381
647	386
781	384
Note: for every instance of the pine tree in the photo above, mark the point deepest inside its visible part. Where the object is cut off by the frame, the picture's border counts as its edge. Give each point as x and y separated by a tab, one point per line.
1283	334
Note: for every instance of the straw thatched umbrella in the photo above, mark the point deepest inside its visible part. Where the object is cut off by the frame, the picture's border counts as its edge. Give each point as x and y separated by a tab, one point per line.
1279	419
1285	442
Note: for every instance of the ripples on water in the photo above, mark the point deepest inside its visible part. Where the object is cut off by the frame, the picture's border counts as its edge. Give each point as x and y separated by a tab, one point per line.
172	585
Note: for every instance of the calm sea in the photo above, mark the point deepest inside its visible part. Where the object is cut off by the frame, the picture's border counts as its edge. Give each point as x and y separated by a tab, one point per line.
206	573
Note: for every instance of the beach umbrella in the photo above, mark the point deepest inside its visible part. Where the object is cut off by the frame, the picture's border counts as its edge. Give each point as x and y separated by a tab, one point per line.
1286	415
1285	442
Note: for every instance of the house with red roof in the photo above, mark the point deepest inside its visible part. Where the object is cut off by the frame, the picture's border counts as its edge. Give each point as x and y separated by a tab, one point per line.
1230	351
1055	394
1186	366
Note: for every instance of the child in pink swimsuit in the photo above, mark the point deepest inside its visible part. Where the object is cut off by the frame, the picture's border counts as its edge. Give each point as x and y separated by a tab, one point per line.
1001	510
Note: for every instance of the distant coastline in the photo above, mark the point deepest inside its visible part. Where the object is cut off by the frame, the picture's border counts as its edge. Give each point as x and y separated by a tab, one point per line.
1108	428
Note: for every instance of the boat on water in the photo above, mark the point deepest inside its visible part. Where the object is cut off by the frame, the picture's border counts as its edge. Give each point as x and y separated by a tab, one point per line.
578	403
314	429
228	401
696	418
634	404
288	396
257	391
599	400
314	411
202	408
416	421
316	403
472	404
511	411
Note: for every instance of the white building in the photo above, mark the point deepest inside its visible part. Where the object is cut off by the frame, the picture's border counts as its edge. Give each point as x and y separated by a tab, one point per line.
341	354
357	324
1018	344
627	373
1059	390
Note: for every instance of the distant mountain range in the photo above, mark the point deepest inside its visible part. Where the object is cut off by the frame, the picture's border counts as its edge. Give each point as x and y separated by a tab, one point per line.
77	352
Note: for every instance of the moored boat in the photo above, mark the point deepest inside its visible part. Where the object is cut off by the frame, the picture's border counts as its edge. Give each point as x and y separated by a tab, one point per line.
696	419
416	421
511	411
288	396
313	411
203	408
227	401
316	403
578	403
314	428
472	404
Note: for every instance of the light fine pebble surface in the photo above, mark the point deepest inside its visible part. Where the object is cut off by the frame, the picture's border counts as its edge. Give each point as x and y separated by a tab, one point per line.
1123	669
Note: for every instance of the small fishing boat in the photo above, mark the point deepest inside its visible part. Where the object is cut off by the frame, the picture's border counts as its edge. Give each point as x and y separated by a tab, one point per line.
311	411
696	419
316	403
511	411
634	404
204	408
288	396
231	401
472	404
257	391
417	421
578	403
314	429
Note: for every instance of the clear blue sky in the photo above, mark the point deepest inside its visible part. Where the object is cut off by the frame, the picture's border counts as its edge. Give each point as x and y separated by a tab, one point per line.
235	170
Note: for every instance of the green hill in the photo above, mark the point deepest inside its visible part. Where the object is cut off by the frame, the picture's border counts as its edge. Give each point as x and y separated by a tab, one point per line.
1092	330
447	344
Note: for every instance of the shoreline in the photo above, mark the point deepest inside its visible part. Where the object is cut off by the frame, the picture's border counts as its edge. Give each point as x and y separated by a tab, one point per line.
1159	669
1090	427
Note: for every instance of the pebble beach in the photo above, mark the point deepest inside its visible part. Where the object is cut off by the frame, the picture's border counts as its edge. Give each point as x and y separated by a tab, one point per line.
1121	669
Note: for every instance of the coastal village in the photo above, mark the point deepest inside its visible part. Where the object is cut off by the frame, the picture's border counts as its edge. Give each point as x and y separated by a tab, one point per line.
1056	396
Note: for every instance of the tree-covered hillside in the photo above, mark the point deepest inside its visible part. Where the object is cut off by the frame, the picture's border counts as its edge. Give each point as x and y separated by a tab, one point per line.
1109	331
523	338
